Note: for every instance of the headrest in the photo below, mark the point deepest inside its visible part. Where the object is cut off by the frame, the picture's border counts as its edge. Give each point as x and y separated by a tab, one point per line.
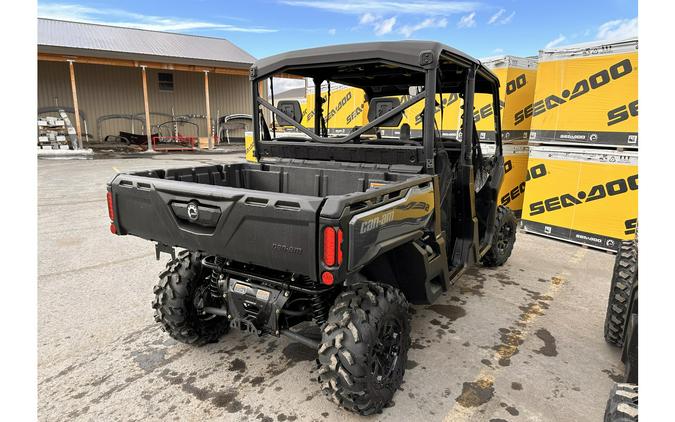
383	105
291	108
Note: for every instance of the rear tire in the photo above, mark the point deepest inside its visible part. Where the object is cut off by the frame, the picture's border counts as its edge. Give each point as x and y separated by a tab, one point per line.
180	287
624	276
364	347
503	239
622	405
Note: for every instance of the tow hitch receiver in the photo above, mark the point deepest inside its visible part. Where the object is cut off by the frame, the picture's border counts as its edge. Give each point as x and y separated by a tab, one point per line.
255	308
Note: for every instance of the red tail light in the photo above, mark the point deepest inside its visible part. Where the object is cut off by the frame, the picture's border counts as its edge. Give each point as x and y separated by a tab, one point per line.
111	211
339	246
332	246
329	246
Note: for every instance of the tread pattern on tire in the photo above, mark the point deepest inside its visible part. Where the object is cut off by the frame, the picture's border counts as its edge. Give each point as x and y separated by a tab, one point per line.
624	276
622	405
173	306
493	258
347	338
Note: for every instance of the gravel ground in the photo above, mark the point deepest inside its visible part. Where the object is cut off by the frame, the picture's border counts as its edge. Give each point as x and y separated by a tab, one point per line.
523	342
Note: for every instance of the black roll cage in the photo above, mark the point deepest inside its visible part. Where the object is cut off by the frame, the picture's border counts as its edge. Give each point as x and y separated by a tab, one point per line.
431	71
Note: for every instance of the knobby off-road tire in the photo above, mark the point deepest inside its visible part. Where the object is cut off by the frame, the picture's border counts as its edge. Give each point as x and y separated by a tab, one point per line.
624	276
364	347
503	239
174	303
622	405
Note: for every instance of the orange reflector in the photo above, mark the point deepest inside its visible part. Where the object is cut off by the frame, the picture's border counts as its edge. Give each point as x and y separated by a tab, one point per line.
327	278
329	247
111	212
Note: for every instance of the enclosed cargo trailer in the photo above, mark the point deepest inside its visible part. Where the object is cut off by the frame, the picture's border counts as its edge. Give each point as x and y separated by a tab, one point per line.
582	196
585	95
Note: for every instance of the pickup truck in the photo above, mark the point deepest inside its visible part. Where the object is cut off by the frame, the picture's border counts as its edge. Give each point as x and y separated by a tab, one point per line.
340	232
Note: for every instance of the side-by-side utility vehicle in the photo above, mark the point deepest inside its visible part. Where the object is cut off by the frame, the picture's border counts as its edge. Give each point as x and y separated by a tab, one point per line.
335	231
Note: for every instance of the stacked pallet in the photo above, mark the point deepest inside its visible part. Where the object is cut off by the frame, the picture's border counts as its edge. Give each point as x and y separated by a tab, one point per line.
582	179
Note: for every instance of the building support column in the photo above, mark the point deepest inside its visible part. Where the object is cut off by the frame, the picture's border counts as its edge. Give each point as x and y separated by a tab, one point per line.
208	109
148	127
76	107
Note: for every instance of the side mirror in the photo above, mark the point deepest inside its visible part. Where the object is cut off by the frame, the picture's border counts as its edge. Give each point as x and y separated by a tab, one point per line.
291	108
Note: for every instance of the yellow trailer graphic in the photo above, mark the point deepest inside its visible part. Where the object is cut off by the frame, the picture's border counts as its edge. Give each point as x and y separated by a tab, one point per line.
517	79
348	107
585	95
345	109
582	196
512	191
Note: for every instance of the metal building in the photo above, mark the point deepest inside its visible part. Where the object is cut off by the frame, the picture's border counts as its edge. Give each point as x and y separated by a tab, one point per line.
147	76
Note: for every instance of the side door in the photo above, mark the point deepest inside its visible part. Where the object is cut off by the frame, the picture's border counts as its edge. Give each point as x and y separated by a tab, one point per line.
487	159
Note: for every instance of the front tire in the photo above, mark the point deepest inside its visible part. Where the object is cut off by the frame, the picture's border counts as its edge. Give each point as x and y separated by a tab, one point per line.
176	303
364	347
622	405
624	276
503	239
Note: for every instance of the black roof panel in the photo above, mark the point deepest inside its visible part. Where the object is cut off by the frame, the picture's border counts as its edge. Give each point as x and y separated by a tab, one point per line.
404	52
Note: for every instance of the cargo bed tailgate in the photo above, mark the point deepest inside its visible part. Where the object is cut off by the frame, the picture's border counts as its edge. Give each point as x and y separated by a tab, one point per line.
274	230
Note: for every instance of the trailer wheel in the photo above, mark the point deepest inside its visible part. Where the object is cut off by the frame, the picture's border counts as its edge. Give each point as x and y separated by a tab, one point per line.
624	276
181	286
364	347
622	405
503	239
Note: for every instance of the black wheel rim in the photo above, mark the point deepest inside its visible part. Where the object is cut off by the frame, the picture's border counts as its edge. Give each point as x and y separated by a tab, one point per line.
386	354
503	237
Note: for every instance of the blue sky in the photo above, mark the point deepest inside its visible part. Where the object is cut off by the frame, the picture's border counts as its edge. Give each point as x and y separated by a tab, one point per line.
265	27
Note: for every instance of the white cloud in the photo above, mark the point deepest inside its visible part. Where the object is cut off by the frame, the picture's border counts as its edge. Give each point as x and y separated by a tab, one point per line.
556	41
381	26
118	17
499	18
467	21
618	29
367	18
498	50
508	19
332	31
496	16
408	30
385	26
358	7
284	84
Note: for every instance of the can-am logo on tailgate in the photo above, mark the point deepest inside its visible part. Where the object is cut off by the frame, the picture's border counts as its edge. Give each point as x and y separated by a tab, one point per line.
288	249
193	211
584	86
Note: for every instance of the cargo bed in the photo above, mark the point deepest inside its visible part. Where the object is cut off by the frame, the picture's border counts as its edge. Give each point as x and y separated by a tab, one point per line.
258	213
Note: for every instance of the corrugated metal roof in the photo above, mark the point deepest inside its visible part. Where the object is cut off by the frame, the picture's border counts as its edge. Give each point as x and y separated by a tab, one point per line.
56	36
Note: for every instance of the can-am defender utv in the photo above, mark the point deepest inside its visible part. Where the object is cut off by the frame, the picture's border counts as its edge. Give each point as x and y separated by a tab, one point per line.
340	231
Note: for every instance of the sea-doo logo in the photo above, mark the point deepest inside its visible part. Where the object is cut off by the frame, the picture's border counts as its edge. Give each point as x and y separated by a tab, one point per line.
193	211
621	113
612	188
584	86
515	84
